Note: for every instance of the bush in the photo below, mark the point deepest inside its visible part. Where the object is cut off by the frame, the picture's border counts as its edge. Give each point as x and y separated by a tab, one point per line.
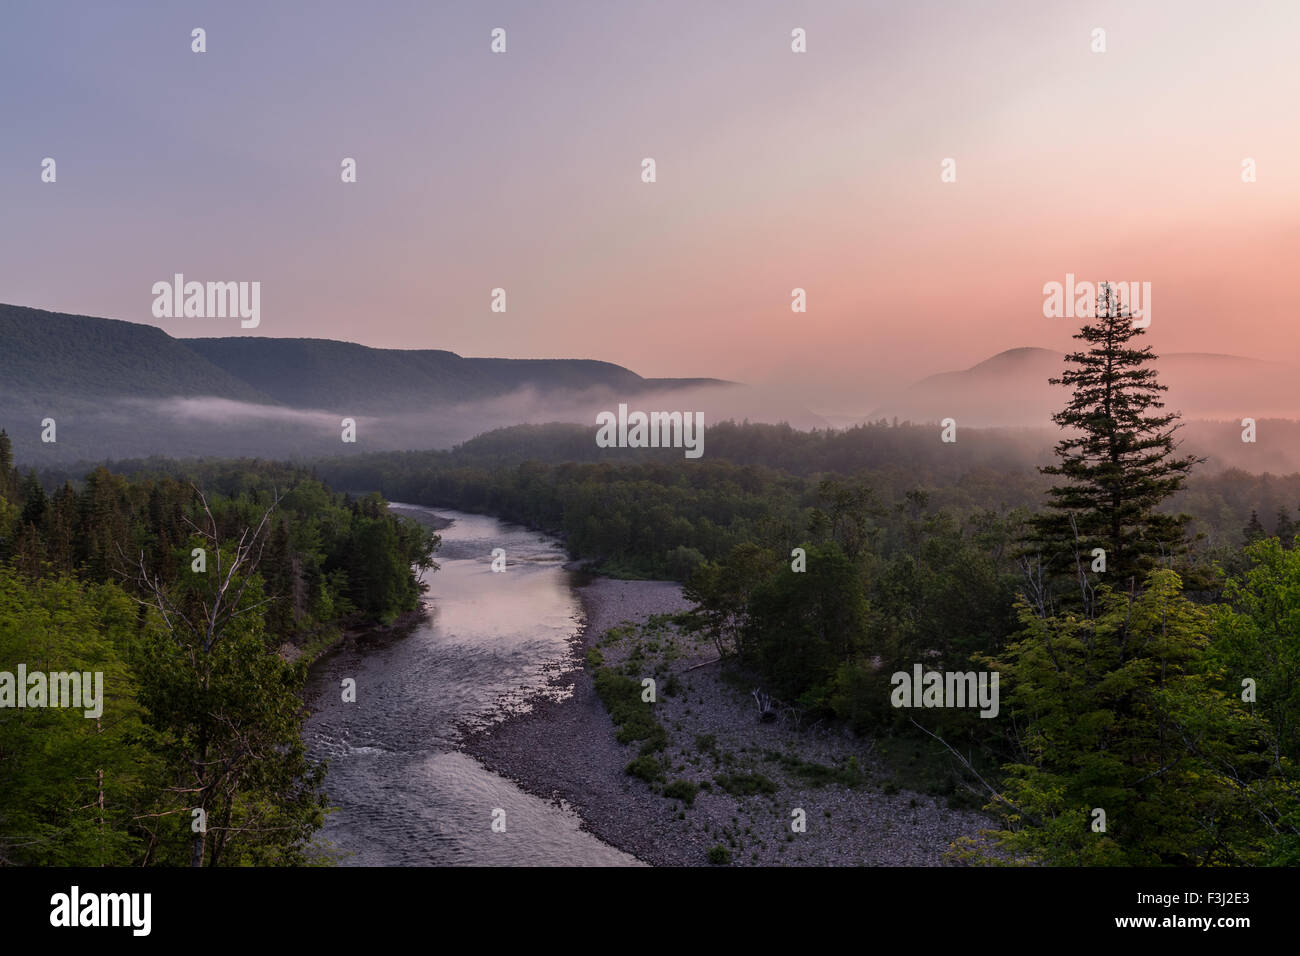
719	855
745	784
817	774
647	768
622	698
683	790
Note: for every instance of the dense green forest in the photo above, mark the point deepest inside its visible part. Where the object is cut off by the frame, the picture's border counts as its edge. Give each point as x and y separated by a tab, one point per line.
648	513
182	598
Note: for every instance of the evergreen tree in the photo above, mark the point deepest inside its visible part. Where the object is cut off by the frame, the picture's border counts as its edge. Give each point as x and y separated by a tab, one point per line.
8	482
34	502
1118	461
1254	531
1285	529
1100	711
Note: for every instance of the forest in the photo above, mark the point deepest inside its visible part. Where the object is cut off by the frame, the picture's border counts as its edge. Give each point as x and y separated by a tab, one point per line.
184	590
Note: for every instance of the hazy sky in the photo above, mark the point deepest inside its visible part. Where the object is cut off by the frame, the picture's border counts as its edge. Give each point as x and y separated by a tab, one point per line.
775	170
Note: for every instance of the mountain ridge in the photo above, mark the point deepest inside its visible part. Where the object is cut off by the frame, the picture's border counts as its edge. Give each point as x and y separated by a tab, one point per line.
46	354
1011	389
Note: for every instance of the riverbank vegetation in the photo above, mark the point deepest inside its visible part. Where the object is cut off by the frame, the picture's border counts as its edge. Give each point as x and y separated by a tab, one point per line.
182	599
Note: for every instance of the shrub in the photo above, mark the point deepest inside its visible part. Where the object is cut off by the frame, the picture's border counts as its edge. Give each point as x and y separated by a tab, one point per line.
683	790
622	698
745	784
647	768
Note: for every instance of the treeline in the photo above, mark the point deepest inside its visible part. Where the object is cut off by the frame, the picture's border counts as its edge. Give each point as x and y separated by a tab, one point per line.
328	557
181	599
649	513
885	447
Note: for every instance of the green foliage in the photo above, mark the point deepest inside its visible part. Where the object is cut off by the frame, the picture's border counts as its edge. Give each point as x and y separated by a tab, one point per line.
719	855
818	774
745	784
646	514
646	768
229	712
52	758
326	556
683	790
201	711
634	717
1102	709
1256	637
803	626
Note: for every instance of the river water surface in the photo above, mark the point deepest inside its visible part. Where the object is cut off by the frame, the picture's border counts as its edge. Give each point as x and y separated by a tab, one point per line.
405	795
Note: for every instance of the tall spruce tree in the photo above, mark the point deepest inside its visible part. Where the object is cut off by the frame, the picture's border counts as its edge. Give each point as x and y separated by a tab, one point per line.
1254	530
1285	529
1119	459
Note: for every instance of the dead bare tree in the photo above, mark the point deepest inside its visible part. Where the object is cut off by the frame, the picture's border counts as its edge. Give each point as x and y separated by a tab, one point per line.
224	603
197	630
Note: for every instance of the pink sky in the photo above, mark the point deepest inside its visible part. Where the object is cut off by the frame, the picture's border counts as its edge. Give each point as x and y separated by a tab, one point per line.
775	170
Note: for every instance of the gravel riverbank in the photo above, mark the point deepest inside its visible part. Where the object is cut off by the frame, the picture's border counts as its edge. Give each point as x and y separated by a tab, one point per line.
566	749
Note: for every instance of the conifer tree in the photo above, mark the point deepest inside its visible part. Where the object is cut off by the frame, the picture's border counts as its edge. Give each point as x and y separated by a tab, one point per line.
1254	530
1285	528
1118	460
7	483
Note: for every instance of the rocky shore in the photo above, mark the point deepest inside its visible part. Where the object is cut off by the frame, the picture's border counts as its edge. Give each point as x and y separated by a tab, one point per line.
754	779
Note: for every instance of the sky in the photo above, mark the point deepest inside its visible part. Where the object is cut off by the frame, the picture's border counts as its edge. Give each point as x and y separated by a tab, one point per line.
775	170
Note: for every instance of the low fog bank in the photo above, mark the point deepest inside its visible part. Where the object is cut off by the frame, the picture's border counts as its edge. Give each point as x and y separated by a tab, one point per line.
1011	389
183	427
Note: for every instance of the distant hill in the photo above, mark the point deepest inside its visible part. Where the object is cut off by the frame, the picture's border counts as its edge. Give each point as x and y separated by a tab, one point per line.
118	389
1011	389
323	373
55	355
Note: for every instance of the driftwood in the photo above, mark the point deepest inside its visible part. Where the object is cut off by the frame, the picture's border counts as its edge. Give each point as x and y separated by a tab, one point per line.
705	664
765	712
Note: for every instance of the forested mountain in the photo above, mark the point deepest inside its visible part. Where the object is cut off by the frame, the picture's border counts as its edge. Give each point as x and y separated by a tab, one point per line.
322	373
55	356
120	389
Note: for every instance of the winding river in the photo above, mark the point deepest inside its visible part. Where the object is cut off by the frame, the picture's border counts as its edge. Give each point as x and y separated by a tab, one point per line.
404	794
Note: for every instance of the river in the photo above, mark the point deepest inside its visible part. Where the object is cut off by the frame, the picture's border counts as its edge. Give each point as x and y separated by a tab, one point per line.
405	795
